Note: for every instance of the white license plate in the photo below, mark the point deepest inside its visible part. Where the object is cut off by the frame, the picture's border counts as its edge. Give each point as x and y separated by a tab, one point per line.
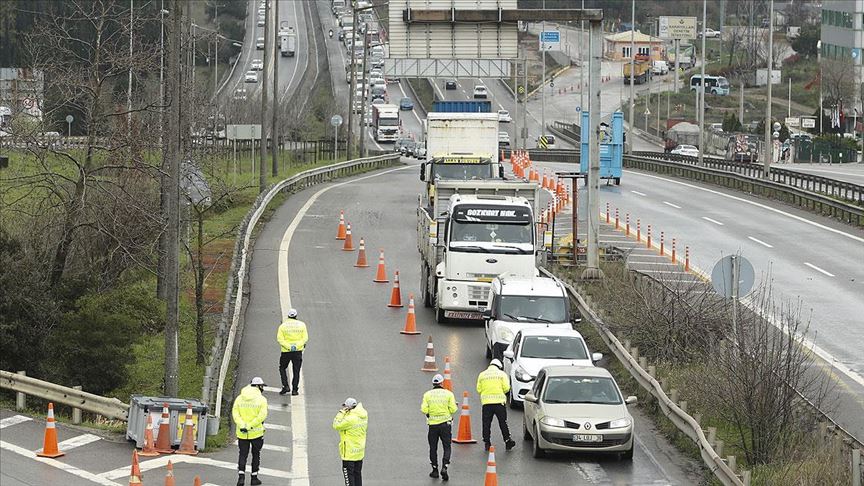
587	438
462	315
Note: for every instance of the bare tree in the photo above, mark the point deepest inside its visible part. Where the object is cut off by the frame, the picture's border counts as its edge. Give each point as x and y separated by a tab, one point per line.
838	83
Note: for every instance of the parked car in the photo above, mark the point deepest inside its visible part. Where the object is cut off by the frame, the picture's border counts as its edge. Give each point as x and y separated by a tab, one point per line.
406	104
257	65
259	44
480	91
261	20
689	150
402	144
534	349
709	34
251	77
379	101
504	116
450	84
660	67
578	409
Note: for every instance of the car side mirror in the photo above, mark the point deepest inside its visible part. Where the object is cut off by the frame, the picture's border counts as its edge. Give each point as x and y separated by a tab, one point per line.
509	354
631	400
531	397
595	357
487	313
423	171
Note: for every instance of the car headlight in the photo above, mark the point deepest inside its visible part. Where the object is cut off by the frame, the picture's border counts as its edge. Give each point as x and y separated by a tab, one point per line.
505	335
522	375
552	421
620	423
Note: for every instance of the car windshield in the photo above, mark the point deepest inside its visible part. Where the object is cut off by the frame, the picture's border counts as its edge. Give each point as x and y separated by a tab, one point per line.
553	347
462	171
723	83
538	309
474	232
581	389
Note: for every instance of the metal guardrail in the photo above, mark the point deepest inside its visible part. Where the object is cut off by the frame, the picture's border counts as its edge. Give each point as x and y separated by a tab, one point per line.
554	155
684	422
226	332
812	201
108	407
569	131
847	191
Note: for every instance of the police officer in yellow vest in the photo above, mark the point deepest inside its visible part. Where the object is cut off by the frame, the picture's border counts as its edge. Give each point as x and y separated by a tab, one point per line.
493	385
439	405
351	422
292	337
249	412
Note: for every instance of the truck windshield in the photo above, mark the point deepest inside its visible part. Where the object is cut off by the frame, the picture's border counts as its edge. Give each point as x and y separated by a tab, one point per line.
519	308
462	171
474	232
388	122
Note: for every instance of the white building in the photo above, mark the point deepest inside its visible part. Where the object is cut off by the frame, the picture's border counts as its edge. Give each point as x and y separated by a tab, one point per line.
842	38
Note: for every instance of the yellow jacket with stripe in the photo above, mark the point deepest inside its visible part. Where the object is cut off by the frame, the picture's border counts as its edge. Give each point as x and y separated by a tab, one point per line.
292	333
249	412
493	385
438	405
351	425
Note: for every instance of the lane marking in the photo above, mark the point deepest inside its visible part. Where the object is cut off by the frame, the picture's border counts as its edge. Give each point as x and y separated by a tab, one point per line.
638	193
276	427
272	389
13	420
413	112
79	441
666	271
754	203
162	461
706	218
271	447
673	205
675	265
299	436
278	407
766	245
814	267
807	169
93	478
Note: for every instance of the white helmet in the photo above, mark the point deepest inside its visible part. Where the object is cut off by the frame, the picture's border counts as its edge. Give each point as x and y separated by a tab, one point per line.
497	363
350	403
257	381
292	313
437	379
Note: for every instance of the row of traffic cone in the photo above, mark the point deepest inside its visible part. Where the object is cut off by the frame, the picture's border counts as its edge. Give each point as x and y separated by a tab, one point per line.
162	444
136	478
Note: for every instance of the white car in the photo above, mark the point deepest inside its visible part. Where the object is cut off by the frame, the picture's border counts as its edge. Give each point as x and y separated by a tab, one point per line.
519	303
259	44
710	33
240	94
686	150
261	20
534	349
257	65
480	91
504	116
251	77
578	409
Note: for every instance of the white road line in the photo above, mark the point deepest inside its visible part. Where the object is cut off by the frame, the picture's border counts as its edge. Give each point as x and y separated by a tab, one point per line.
673	205
438	90
814	267
93	478
272	389
162	461
78	441
638	193
766	245
413	112
706	218
13	420
299	437
753	203
271	447
278	407
665	271
270	426
629	261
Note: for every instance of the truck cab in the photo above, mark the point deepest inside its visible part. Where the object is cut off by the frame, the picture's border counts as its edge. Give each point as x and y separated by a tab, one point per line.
385	122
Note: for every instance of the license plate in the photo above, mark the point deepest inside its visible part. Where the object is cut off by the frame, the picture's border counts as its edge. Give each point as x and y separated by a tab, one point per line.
463	315
587	438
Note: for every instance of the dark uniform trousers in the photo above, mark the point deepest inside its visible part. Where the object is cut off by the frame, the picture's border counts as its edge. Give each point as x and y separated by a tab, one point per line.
495	410
295	359
442	432
245	444
351	470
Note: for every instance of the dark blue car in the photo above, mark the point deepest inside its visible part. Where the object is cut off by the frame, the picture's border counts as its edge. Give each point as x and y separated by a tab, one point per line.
406	104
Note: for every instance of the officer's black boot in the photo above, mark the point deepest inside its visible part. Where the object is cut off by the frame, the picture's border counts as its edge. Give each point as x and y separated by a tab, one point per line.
255	481
241	479
444	475
434	473
510	444
285	390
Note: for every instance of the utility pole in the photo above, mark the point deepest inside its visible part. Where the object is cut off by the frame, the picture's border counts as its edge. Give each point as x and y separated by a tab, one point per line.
632	100
262	172
700	97
171	156
543	85
677	63
216	54
349	141
769	142
819	62
129	88
516	101
593	180
525	102
363	89
582	89
741	104
275	125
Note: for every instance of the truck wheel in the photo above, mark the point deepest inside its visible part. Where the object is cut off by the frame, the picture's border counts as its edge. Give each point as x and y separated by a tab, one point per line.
617	181
439	315
424	286
488	351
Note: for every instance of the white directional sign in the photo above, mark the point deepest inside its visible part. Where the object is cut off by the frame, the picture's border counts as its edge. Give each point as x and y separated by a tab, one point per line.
243	132
793	121
808	122
677	27
550	40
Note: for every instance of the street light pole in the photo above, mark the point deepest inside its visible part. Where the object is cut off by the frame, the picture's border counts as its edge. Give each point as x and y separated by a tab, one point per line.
162	13
769	142
631	102
700	96
262	172
129	88
274	129
349	141
819	62
543	85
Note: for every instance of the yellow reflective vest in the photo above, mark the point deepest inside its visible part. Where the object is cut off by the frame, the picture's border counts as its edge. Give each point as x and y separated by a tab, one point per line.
351	425
292	333
493	385
249	412
438	405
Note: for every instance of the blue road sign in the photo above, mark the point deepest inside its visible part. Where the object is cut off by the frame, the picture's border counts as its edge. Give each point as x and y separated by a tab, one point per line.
550	36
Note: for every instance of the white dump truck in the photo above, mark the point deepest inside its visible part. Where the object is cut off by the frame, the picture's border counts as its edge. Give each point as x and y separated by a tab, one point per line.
287	40
470	232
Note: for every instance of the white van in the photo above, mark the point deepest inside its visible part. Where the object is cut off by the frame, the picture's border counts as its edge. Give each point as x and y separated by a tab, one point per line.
660	67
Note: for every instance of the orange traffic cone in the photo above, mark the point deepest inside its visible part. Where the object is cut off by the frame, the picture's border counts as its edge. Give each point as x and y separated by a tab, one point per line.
163	438
197	481
448	381
429	363
381	276
410	319
49	444
340	232
149	444
187	442
396	293
463	434
361	256
135	477
349	243
545	180
491	473
169	476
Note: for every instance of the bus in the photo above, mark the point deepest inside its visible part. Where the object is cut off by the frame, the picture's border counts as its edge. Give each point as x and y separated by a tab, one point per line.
717	85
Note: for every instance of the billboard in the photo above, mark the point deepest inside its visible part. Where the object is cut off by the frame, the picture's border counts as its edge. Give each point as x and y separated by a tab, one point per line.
677	27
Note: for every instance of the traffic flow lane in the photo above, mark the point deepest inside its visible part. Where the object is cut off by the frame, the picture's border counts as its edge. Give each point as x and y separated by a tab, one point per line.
853	173
361	353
